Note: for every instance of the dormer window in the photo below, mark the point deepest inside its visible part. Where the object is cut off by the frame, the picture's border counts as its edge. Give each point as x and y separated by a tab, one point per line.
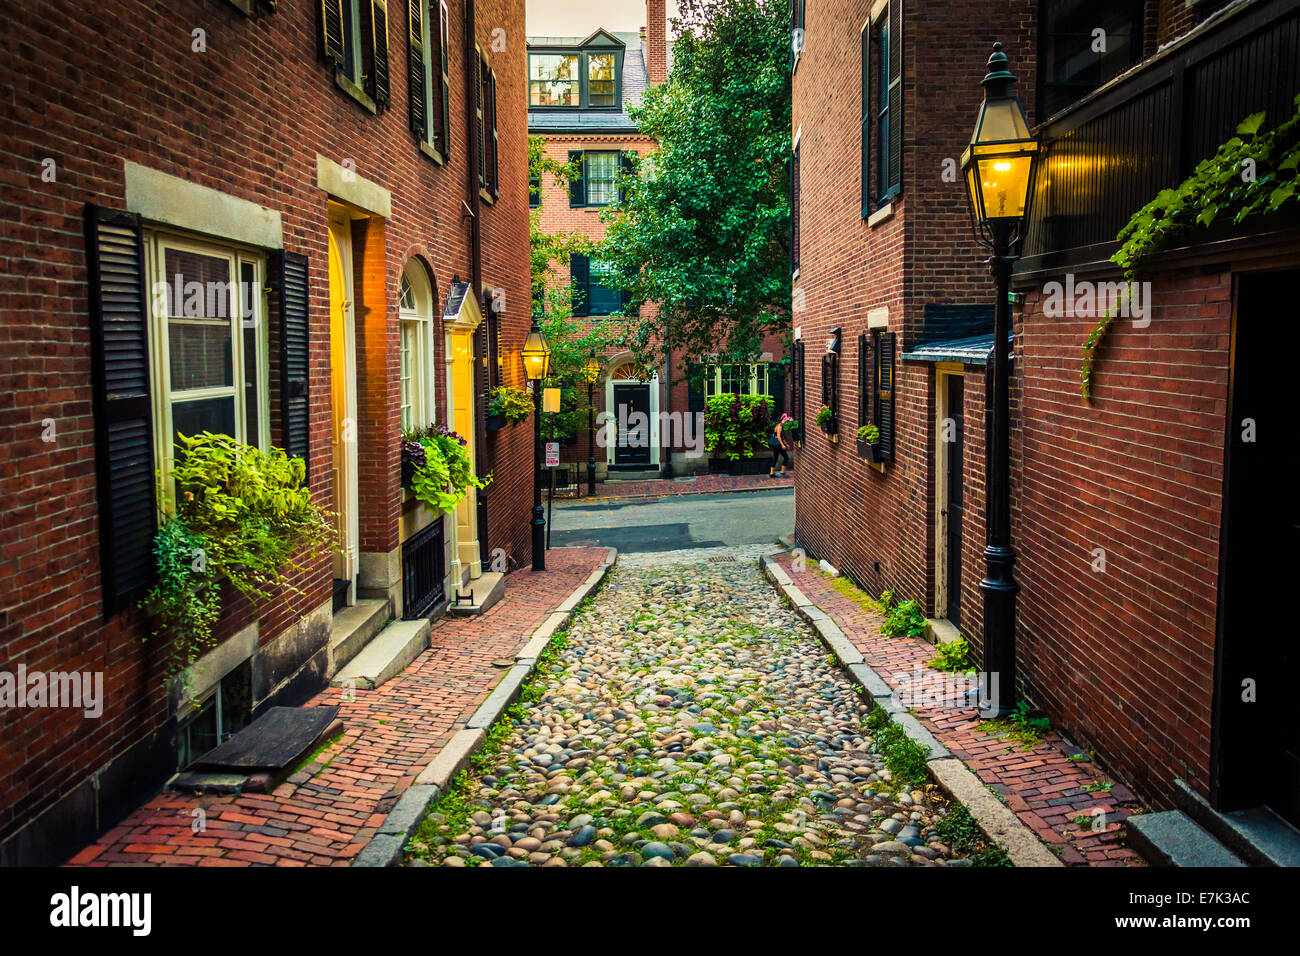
584	76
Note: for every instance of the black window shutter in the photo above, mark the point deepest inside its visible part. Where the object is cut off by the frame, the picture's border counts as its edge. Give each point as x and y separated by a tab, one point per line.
695	389
864	379
480	93
579	277
494	171
291	282
885	396
331	31
418	92
534	191
379	80
794	211
578	184
123	417
776	387
443	144
866	120
895	96
625	169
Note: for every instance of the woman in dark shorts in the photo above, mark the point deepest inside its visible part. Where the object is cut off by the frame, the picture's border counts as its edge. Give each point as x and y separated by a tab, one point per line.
780	450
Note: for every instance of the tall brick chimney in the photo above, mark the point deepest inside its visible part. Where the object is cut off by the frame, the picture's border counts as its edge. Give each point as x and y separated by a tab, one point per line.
656	42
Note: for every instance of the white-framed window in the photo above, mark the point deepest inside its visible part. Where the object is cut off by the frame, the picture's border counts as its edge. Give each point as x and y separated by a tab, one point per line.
208	342
735	379
601	175
415	328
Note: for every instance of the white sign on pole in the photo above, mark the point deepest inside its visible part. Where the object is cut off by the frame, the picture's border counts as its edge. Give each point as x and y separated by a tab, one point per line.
552	454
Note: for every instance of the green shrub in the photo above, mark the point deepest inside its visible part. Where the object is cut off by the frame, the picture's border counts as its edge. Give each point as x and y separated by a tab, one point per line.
869	434
447	472
185	602
906	618
737	426
824	416
954	656
511	402
905	758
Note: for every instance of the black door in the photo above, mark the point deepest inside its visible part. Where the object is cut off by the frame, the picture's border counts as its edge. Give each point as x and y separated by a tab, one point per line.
1256	736
632	424
956	391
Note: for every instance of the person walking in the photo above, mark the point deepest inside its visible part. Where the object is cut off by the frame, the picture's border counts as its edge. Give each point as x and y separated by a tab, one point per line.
780	449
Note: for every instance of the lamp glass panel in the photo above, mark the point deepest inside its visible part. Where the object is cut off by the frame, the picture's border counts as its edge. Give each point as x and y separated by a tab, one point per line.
1001	120
1004	184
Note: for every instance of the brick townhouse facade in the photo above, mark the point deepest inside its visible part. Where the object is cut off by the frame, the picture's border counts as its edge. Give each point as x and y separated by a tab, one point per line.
1143	662
580	93
356	168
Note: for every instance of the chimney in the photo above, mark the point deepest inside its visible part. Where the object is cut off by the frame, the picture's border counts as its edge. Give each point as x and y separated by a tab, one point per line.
656	41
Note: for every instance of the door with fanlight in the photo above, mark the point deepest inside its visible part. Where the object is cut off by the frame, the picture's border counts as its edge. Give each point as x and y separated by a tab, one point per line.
343	403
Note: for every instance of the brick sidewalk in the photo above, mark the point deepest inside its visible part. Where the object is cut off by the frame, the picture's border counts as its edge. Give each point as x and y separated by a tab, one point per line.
325	814
695	485
1041	784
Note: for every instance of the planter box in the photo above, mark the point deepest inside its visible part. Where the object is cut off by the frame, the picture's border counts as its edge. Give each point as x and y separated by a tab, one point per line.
870	451
408	473
831	427
743	466
496	422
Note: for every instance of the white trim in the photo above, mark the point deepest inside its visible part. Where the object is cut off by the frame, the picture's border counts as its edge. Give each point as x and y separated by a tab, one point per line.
878	318
878	10
340	233
794	144
883	214
653	385
941	454
161	197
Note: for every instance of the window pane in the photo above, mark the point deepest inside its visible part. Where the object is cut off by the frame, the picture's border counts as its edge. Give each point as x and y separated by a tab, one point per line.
200	309
1076	58
408	395
600	79
216	415
602	176
252	330
553	79
603	296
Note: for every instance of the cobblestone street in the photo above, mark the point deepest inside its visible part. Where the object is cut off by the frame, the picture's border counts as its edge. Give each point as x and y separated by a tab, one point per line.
688	718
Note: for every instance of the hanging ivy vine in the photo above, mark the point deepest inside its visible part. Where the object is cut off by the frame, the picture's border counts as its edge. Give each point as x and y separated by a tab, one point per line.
1253	174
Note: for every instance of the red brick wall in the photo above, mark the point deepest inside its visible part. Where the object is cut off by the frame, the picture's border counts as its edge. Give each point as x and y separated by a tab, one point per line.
846	511
1124	660
656	42
248	118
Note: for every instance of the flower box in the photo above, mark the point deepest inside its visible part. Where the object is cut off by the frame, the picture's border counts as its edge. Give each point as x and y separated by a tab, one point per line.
496	422
830	427
870	450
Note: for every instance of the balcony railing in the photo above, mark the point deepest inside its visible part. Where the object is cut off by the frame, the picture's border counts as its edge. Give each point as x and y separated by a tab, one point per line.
1113	151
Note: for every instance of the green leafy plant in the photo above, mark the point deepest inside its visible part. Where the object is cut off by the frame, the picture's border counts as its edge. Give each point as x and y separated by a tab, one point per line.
903	619
905	758
869	434
1019	725
1253	174
511	402
953	656
241	514
736	426
447	473
185	601
824	416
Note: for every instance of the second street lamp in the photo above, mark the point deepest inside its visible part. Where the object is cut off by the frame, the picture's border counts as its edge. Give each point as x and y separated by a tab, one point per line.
591	372
999	168
536	355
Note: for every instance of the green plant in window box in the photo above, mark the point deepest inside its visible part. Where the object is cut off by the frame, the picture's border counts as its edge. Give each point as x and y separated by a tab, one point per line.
447	472
736	426
827	420
241	514
869	443
508	405
869	434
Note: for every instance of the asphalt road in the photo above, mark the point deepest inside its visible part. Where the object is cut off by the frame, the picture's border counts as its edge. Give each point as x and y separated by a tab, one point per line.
675	522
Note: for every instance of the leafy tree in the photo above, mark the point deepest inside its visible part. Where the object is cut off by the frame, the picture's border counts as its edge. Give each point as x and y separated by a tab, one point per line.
703	229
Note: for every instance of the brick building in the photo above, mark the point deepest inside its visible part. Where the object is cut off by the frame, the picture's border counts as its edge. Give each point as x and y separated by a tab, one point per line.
357	171
580	92
1144	661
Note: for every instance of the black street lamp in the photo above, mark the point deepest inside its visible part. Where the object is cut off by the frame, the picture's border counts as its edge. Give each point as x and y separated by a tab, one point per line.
536	355
999	167
591	372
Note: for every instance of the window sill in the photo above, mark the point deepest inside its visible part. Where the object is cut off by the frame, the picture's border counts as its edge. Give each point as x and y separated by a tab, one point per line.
881	215
345	84
432	153
486	196
794	276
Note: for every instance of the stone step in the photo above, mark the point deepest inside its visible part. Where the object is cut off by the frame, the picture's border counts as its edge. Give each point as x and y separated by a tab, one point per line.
643	474
1258	835
1172	838
353	628
484	592
386	656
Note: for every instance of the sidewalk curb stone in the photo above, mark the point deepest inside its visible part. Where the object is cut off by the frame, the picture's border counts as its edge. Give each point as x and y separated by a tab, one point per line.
386	846
1003	827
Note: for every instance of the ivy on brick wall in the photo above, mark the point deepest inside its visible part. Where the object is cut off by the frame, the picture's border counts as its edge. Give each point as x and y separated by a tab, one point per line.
1253	174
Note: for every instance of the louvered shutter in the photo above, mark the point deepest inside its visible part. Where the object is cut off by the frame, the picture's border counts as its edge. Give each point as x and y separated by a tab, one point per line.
866	119
290	281
579	276
895	96
695	389
123	418
379	78
444	41
331	31
794	211
885	396
578	184
494	169
864	379
776	387
479	113
625	169
416	79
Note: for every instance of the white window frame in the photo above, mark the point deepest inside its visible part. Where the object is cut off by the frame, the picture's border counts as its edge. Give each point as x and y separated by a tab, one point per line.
757	385
416	354
157	242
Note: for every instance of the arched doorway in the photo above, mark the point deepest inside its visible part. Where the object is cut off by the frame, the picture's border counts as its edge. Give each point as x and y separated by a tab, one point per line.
633	423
